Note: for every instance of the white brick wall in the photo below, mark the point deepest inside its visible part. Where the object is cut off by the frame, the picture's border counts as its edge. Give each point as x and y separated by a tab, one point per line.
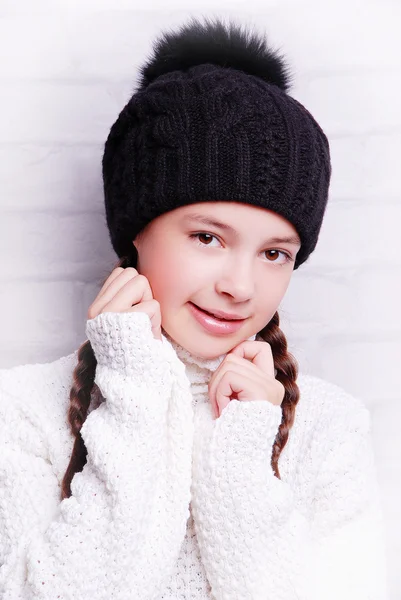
68	68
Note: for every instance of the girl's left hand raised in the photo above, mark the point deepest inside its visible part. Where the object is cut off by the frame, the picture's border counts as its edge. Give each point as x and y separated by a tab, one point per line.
246	373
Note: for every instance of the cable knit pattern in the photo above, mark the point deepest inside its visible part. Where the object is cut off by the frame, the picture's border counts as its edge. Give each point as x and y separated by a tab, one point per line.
172	503
206	131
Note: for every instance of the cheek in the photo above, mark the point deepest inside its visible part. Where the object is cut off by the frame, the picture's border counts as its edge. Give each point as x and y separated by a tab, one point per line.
269	296
170	275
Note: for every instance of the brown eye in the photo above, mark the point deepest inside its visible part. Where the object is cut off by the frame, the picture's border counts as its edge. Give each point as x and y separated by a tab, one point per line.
274	251
287	257
204	238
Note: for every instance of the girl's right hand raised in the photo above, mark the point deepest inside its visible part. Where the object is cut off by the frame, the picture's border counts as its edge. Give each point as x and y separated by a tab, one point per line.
125	290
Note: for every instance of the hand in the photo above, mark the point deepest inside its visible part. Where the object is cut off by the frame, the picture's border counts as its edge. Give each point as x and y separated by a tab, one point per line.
246	373
125	290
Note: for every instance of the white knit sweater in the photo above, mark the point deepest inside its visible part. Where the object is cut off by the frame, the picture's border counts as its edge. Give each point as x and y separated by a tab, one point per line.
172	503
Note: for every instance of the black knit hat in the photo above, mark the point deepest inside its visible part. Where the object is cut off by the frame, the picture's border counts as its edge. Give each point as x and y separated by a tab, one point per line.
212	120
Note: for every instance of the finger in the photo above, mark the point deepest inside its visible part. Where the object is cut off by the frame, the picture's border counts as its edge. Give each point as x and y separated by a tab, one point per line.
260	353
240	366
233	383
234	364
152	309
115	273
246	389
240	362
134	291
110	289
117	280
113	292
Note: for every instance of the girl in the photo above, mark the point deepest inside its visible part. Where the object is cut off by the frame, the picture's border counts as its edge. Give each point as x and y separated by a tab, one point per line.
195	462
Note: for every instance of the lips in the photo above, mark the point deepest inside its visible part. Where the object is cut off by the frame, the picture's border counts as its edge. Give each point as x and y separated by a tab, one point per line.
221	315
214	315
212	324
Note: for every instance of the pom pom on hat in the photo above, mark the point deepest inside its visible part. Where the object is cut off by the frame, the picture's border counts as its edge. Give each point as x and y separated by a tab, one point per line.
212	42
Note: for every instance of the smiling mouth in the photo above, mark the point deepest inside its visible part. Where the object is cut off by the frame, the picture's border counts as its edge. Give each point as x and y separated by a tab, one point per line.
218	316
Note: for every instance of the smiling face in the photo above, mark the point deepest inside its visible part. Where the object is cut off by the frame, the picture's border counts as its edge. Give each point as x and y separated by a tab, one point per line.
234	270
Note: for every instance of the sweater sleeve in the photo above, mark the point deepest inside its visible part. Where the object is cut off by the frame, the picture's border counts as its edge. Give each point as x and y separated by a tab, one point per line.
258	541
119	534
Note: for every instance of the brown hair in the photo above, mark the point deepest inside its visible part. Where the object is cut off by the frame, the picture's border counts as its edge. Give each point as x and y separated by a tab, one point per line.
84	388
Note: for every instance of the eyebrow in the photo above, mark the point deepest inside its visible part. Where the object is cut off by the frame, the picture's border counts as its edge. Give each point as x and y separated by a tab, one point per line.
204	220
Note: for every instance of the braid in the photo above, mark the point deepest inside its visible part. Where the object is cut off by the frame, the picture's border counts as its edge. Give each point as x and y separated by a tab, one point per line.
287	372
80	396
84	386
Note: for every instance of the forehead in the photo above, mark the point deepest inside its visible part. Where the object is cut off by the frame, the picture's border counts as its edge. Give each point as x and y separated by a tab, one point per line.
223	207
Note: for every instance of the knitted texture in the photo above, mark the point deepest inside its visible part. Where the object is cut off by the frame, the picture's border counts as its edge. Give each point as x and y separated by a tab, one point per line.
214	133
172	503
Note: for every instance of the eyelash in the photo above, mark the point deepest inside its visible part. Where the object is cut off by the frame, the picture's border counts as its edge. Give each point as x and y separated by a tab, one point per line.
288	257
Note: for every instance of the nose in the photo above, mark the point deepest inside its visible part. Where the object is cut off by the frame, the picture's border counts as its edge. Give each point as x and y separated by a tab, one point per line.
237	280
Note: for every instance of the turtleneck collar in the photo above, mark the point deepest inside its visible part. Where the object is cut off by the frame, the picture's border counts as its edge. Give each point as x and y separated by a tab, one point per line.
199	370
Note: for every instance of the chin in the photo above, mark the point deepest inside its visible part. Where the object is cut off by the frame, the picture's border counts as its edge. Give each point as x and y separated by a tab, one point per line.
211	348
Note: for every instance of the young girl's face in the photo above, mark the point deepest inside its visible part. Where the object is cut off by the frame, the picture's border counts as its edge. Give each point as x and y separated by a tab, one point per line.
231	267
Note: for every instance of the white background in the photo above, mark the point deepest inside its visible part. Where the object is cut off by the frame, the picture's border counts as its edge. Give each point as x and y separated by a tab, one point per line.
66	70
